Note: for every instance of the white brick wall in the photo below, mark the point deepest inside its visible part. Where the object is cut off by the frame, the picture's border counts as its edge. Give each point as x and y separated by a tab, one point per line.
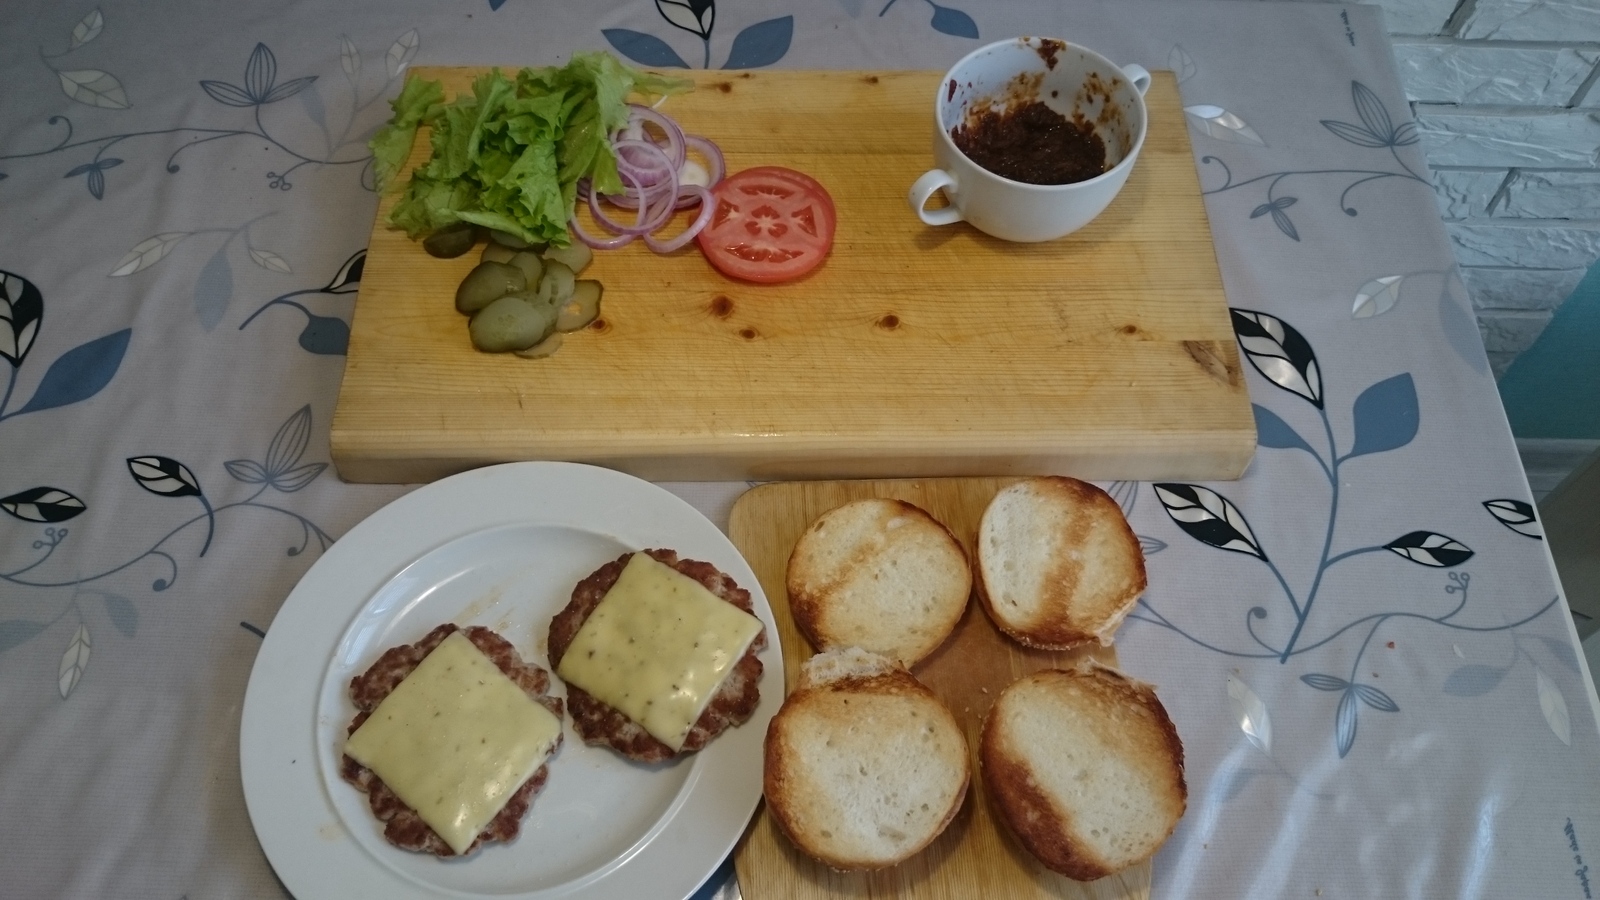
1505	97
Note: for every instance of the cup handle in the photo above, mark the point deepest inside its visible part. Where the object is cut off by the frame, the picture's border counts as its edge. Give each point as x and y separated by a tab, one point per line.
932	180
1139	76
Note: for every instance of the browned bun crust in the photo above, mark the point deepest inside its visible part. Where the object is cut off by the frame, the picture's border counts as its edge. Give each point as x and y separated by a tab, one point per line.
403	827
881	574
599	723
1074	570
863	765
1062	829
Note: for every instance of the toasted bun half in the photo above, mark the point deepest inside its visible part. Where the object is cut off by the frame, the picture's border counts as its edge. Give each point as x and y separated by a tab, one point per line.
879	574
1058	565
1085	768
864	765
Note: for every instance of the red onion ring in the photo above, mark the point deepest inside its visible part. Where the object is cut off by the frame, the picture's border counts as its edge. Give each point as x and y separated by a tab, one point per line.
658	167
674	134
647	220
700	195
713	155
650	167
597	243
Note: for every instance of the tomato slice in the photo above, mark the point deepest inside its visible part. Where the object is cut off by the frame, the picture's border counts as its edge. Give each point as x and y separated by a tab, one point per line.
769	224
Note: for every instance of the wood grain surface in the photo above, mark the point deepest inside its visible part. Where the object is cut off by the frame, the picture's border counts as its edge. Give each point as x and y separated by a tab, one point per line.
912	351
974	857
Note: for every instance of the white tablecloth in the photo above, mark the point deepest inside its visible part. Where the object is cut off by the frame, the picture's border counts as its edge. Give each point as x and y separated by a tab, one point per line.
1361	642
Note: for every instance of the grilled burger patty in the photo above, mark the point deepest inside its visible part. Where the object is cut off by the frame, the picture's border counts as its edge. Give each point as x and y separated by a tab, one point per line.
403	827
599	723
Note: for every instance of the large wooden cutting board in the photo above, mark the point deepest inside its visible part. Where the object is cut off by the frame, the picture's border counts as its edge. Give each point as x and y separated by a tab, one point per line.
913	351
974	857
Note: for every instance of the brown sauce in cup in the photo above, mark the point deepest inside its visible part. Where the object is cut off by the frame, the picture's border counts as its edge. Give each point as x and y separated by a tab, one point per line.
1032	143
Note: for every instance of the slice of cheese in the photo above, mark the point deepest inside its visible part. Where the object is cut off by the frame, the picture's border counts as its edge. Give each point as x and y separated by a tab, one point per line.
455	740
657	647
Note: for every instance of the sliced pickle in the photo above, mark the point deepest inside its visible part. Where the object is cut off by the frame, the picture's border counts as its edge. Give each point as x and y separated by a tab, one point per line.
507	239
511	323
582	308
542	349
531	265
575	256
486	283
500	253
557	283
451	241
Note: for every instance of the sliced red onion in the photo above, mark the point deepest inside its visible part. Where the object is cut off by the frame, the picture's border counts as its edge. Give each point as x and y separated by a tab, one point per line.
670	129
713	155
647	219
654	169
643	160
695	193
598	243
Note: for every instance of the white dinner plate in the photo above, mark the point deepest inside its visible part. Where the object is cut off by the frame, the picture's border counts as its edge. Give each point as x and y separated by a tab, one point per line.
500	546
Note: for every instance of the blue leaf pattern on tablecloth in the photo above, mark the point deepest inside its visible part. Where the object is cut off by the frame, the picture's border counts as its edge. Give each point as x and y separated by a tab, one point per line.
213	290
644	49
1376	131
311	102
953	22
325	336
94	173
1344	723
1561	650
1473	680
227	94
1386	416
281	467
1274	432
761	44
1325	682
79	373
18	631
1375	698
123	614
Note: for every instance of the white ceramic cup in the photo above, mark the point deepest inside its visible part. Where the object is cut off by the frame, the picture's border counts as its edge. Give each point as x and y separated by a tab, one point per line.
1068	79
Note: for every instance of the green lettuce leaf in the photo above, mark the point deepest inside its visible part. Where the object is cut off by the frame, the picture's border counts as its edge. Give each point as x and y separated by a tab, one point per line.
509	155
392	144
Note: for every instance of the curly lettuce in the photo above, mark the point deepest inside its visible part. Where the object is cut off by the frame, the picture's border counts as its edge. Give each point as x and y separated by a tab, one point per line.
509	155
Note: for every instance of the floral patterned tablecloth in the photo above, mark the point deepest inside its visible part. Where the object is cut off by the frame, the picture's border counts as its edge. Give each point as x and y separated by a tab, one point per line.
1361	641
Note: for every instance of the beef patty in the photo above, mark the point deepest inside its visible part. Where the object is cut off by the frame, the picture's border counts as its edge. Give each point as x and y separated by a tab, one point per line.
599	723
403	827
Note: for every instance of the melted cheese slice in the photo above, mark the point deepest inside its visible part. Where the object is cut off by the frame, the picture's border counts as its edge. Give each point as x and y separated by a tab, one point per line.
657	647
455	740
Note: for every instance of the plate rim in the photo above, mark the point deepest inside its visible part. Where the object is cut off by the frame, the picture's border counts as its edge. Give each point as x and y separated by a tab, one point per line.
288	804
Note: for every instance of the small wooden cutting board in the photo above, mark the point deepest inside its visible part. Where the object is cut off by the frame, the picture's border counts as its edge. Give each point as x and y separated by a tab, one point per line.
912	351
974	857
